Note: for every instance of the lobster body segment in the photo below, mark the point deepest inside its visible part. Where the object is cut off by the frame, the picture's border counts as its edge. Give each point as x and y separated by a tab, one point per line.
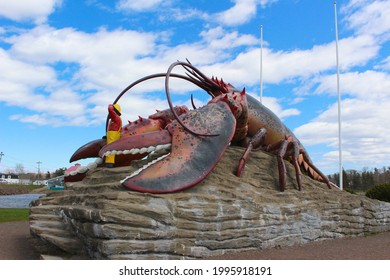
262	117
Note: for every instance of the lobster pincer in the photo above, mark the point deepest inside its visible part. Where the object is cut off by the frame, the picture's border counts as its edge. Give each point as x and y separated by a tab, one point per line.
191	157
154	122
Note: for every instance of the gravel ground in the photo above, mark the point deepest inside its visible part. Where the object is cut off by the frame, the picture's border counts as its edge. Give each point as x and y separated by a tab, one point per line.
15	244
373	247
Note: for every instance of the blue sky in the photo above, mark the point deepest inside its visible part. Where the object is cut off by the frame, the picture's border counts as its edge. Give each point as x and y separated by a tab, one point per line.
62	62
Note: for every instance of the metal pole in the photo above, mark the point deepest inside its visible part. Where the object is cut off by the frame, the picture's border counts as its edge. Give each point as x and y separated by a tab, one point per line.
1	156
39	168
338	96
261	63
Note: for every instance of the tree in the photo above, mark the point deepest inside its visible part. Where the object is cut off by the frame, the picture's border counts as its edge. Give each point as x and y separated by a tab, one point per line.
9	171
355	179
19	168
59	172
363	180
48	175
367	179
346	183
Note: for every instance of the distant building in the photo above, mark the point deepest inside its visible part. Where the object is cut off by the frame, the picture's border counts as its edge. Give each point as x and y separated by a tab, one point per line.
56	183
40	183
10	178
25	179
72	168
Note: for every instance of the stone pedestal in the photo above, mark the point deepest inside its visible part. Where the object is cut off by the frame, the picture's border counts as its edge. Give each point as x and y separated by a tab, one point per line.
100	219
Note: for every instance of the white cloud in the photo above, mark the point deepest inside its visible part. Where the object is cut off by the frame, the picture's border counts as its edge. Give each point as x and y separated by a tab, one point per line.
36	88
363	85
283	66
138	5
16	71
242	12
110	59
185	15
26	10
354	51
105	59
133	105
100	63
218	38
273	104
385	64
45	44
365	140
368	17
365	102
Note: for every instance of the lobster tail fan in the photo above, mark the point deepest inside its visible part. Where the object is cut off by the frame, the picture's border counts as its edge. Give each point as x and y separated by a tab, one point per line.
305	168
312	171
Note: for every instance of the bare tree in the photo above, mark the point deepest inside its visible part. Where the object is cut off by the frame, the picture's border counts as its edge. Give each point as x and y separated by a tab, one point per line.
19	168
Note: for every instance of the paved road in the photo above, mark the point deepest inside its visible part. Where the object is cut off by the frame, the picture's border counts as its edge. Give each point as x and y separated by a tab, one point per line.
374	247
15	242
15	245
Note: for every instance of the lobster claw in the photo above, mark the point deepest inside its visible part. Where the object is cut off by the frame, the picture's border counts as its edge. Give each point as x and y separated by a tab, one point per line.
139	145
89	150
192	157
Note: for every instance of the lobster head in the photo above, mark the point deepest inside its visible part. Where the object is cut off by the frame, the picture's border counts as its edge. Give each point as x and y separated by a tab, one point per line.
236	102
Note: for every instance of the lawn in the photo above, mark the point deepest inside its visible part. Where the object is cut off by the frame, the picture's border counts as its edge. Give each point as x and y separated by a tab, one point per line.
13	214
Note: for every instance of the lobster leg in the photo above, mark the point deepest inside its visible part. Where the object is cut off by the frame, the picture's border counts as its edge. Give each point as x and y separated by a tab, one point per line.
254	143
280	149
295	157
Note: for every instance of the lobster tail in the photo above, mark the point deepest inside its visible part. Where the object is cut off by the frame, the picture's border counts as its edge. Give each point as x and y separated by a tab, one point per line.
310	169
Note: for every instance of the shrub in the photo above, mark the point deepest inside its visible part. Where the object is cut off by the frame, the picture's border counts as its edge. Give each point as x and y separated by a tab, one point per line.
380	192
352	191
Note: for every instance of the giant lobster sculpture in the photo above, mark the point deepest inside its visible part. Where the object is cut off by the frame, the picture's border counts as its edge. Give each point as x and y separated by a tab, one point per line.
191	142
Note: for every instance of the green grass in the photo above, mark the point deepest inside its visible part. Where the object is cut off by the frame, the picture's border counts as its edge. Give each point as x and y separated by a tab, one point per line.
13	214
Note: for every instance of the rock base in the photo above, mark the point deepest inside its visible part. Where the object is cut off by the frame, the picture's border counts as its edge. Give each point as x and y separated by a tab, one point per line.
224	214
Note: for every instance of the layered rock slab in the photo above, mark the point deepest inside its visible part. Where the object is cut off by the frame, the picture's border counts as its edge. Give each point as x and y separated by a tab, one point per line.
100	219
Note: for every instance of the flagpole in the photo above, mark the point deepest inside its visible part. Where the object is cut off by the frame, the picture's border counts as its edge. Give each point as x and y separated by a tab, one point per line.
261	63
339	97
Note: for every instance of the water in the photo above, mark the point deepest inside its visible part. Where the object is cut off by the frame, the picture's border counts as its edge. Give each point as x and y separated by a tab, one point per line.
18	200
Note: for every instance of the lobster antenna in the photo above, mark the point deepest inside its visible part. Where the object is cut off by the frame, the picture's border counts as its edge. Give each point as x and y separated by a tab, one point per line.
202	85
207	84
173	65
192	102
153	76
